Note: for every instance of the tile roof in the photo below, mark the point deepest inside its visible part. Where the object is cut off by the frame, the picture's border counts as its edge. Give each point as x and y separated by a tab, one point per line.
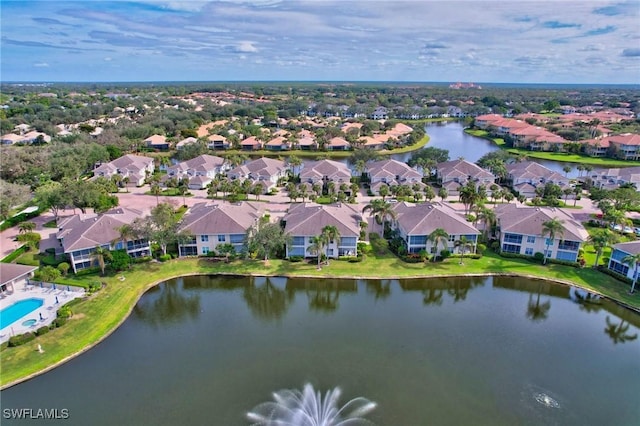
392	168
333	170
88	231
529	220
463	168
309	218
424	218
221	218
534	171
11	271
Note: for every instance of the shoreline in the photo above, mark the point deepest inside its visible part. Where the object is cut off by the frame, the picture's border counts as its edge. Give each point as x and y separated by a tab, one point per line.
155	283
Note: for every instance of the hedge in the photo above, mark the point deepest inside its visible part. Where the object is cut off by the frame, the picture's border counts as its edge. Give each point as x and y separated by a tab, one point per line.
88	271
21	339
42	330
13	221
16	254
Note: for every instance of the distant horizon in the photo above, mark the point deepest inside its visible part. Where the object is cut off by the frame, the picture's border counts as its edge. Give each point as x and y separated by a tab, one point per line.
594	42
333	82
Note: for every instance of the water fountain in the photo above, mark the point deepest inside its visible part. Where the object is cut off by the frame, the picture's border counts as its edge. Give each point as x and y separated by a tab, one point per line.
308	408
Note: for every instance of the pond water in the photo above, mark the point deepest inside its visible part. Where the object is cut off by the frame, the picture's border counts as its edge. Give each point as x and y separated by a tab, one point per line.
451	136
499	351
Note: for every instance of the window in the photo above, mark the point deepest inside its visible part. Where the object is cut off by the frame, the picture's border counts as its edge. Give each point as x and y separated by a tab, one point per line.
531	239
204	238
452	237
205	250
548	241
569	245
528	251
510	248
237	238
418	240
298	241
567	255
222	238
513	238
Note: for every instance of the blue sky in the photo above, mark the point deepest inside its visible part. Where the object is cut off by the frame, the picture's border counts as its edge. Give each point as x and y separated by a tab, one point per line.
517	41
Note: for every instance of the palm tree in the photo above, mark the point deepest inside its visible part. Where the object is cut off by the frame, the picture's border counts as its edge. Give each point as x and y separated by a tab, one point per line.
381	210
600	239
317	247
488	218
125	181
633	260
331	233
383	191
443	193
463	245
156	190
551	228
618	333
439	236
101	255
26	227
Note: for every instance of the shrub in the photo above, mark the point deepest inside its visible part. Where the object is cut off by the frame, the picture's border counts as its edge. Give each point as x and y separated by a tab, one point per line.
356	259
63	267
141	259
364	248
47	273
88	271
481	248
120	260
21	339
412	258
538	256
164	257
296	259
42	330
59	322
64	312
495	246
445	254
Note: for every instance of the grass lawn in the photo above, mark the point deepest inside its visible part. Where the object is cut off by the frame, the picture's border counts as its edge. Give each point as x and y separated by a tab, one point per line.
98	315
555	156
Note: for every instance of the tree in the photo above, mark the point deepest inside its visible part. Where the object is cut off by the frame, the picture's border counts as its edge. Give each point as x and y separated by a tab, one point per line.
633	260
437	237
601	238
54	197
161	226
183	189
443	193
156	190
463	245
64	267
266	239
551	228
26	227
317	247
429	193
120	260
48	274
331	233
438	155
381	210
101	255
567	169
383	190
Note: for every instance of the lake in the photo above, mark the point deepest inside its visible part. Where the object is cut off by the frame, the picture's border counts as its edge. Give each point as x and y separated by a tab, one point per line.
497	350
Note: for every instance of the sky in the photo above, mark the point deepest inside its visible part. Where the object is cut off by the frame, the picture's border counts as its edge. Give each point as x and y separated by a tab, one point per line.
517	41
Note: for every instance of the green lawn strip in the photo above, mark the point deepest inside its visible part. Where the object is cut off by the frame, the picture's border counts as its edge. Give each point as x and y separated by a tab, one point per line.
554	156
31	258
100	314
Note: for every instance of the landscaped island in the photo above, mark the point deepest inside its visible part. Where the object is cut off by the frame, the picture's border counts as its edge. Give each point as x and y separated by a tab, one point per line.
100	314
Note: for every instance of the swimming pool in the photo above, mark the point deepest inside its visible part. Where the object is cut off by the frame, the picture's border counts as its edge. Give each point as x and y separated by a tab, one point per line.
13	313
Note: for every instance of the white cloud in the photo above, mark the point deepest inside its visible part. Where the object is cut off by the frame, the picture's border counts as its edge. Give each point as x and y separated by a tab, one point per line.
246	47
41	65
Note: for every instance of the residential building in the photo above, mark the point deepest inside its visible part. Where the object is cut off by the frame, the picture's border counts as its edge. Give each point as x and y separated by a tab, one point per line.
380	113
79	235
463	171
218	142
135	168
415	222
213	224
279	143
187	141
392	172
200	170
157	142
306	220
612	178
526	176
521	232
265	170
626	146
251	144
325	171
618	253
338	144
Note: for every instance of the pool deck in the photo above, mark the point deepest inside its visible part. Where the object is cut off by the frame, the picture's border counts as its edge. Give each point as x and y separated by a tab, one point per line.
47	311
